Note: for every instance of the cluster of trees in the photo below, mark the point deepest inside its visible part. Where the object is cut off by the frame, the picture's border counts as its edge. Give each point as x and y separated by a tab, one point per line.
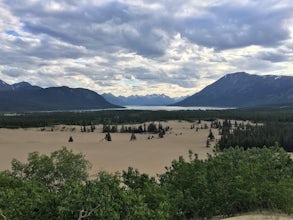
150	128
133	129
58	187
250	135
89	128
109	128
199	126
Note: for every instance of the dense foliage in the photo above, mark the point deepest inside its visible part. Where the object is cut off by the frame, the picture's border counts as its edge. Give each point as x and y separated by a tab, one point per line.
237	180
234	181
249	135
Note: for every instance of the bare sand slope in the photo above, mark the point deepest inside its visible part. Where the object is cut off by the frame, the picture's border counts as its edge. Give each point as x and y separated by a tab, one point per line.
261	217
148	156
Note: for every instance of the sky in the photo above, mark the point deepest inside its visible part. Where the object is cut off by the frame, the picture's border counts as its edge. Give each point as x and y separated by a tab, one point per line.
128	47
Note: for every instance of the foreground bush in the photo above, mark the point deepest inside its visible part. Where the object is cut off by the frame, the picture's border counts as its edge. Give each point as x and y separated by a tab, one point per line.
230	182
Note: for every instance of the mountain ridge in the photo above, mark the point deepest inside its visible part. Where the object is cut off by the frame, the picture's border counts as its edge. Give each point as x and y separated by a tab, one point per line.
25	97
236	90
241	89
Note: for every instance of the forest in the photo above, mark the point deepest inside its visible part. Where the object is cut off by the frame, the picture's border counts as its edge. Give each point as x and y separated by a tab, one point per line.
248	136
58	186
42	119
106	117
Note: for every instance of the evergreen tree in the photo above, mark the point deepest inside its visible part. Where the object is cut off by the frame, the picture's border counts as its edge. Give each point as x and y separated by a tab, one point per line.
211	135
208	144
161	133
132	137
70	139
114	129
122	130
93	127
140	129
152	128
108	137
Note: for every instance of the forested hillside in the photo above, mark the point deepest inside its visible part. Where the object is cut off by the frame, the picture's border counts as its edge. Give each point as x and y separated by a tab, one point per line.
23	97
244	90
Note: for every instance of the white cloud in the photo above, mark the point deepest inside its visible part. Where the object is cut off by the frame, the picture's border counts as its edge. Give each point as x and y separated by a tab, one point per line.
142	46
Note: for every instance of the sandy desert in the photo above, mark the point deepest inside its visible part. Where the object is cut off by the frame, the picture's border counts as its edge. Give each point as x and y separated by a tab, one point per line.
149	156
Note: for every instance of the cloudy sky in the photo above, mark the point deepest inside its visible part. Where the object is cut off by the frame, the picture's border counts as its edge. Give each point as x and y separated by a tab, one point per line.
143	46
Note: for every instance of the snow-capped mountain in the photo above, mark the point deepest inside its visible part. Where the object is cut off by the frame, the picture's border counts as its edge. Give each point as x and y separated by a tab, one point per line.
147	100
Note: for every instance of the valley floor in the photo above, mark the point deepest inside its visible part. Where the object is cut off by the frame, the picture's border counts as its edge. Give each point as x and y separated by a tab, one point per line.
147	155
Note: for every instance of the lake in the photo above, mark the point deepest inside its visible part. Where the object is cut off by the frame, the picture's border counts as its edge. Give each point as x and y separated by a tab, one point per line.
132	107
171	108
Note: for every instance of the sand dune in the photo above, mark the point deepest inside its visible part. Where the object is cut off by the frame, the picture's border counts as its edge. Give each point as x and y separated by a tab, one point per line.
149	156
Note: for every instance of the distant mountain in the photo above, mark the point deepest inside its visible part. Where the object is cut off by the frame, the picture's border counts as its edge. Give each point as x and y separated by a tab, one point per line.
22	85
25	97
244	90
4	86
147	100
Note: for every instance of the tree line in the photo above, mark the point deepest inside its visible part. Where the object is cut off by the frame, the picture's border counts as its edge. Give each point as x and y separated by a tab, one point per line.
58	186
151	127
248	136
43	119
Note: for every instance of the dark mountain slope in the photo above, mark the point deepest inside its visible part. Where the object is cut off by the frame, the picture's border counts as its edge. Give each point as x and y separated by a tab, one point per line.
244	90
25	97
4	86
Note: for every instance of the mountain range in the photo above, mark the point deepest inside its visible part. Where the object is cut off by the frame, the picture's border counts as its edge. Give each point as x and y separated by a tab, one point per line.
232	90
244	90
25	97
147	100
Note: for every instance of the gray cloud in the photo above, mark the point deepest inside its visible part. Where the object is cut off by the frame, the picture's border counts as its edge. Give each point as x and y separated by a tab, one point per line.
108	27
147	32
101	44
274	56
229	27
14	72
